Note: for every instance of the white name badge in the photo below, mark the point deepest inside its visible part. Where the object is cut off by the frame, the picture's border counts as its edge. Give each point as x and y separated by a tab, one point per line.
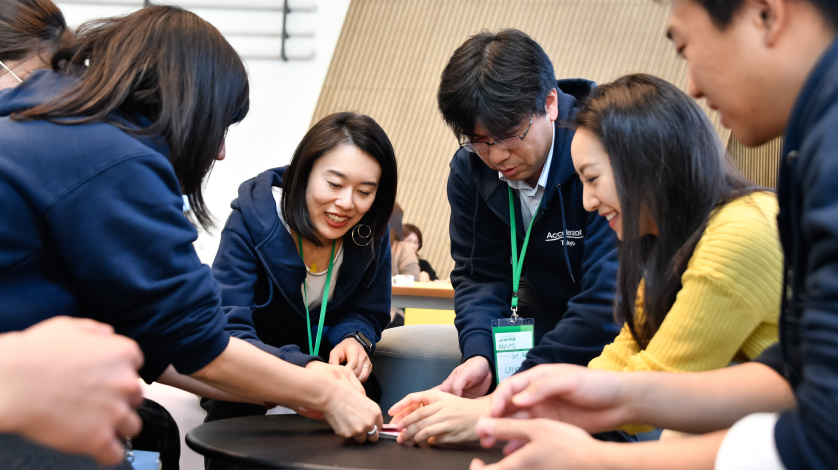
512	340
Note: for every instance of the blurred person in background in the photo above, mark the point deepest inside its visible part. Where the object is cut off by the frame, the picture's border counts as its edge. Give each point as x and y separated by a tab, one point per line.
413	239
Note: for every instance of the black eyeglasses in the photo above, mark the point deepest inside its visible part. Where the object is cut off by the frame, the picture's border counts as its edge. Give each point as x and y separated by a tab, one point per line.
507	143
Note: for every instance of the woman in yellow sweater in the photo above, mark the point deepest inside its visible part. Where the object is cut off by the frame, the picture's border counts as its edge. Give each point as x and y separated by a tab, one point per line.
700	260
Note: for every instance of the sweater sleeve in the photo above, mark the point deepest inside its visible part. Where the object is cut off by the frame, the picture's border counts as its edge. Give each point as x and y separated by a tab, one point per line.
616	355
729	300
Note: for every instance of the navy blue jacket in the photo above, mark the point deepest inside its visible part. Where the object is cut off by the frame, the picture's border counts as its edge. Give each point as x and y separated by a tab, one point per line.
260	273
93	226
571	261
808	221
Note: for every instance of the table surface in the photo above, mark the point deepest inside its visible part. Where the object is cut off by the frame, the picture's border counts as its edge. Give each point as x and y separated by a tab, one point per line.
426	289
293	441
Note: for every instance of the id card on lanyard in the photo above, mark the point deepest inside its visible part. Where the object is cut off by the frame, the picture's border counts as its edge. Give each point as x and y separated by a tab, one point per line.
513	337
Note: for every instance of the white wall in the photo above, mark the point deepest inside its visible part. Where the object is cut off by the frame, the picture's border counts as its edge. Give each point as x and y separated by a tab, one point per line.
283	95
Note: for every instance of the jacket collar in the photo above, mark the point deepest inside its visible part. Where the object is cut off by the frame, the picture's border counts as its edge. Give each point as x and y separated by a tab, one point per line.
814	99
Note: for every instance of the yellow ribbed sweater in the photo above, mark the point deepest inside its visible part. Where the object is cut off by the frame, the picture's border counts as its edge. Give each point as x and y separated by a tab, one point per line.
729	301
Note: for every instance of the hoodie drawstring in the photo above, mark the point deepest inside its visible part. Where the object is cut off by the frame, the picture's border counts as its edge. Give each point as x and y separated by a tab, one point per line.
564	236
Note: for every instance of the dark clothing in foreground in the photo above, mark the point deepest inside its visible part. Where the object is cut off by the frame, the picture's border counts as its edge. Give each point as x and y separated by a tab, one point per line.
807	354
93	226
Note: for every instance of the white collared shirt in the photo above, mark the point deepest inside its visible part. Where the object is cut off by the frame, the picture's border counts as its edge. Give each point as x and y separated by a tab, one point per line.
531	197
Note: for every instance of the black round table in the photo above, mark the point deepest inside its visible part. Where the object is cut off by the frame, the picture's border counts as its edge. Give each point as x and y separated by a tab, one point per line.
292	441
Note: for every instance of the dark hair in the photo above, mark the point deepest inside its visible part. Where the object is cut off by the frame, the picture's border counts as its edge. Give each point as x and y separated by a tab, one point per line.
29	26
396	226
666	156
497	80
722	11
168	66
328	134
410	228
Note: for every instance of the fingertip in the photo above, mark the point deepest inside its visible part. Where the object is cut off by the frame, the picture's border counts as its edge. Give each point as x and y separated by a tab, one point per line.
485	425
477	464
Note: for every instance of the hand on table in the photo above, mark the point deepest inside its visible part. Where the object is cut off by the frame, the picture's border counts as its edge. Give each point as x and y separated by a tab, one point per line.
591	399
71	384
470	379
539	444
351	352
437	417
352	414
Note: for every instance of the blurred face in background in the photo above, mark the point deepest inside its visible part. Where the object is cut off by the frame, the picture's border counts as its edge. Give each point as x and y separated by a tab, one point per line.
412	241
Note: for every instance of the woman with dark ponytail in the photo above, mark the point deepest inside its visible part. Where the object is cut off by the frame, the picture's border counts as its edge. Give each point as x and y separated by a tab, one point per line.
96	156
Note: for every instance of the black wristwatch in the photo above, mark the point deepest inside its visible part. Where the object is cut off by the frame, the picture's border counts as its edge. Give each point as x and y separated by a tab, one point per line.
361	338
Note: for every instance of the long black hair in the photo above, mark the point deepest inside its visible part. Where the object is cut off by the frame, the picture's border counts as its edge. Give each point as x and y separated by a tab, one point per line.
329	133
666	156
168	65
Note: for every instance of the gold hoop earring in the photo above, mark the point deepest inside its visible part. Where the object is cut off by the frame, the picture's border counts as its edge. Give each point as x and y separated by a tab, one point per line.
356	231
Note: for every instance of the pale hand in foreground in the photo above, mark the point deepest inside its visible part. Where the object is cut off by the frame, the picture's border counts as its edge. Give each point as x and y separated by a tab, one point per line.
437	417
71	384
538	444
351	352
592	399
470	379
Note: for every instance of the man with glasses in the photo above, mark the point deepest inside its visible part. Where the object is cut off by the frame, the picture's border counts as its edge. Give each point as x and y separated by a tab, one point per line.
500	96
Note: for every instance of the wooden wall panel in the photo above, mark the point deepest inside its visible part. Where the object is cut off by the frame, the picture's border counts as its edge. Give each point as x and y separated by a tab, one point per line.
391	52
759	164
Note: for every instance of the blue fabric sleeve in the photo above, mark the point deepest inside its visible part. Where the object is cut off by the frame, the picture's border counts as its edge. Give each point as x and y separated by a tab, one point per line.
808	436
482	283
237	270
124	239
369	308
588	324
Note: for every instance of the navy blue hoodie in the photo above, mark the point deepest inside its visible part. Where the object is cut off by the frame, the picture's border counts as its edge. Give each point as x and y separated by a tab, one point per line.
261	274
93	226
571	261
807	354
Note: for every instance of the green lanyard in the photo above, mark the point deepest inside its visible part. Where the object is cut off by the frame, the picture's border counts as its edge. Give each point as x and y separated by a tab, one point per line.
517	263
314	350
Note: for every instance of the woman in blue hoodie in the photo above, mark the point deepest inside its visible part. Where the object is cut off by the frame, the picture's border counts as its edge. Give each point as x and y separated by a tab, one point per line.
96	156
304	260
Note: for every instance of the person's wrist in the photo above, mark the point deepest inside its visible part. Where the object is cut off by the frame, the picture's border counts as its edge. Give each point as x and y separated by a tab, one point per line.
321	388
630	396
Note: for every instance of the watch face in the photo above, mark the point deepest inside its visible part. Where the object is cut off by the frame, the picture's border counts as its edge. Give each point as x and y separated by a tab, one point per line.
363	340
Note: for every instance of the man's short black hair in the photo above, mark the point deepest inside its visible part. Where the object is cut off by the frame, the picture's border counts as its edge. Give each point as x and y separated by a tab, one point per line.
497	80
722	11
